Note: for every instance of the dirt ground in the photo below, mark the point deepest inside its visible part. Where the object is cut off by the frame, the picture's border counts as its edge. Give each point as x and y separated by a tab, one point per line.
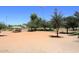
37	42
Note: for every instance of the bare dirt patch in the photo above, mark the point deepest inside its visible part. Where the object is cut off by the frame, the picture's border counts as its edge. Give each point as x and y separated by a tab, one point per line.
39	41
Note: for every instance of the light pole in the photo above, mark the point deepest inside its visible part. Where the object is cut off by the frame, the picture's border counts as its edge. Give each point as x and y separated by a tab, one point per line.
6	21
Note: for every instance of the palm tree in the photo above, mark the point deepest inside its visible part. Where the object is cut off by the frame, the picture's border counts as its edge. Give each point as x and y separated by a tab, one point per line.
56	21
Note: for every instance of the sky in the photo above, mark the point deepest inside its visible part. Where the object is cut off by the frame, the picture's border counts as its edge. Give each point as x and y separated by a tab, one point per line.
15	15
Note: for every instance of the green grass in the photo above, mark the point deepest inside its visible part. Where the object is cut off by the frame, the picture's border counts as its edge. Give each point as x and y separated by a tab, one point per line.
74	33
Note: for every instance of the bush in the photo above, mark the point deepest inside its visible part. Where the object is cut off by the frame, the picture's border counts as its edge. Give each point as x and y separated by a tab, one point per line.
17	30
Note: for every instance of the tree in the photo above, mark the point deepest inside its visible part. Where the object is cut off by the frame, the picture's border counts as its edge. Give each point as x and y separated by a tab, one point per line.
39	22
65	23
33	22
2	26
10	27
49	25
72	22
33	17
56	21
76	14
30	26
44	24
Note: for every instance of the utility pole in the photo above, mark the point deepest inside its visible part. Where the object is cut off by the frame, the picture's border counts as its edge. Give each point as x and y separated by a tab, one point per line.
6	20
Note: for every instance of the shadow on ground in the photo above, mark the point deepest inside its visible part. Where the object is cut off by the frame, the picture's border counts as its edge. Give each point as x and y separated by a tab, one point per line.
70	33
53	36
62	32
2	35
74	33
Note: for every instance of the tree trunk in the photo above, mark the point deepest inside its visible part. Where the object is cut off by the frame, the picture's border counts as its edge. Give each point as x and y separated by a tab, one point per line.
35	29
57	32
0	31
73	28
78	36
31	29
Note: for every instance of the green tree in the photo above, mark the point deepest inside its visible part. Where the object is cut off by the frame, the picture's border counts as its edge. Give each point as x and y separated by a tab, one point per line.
33	22
30	26
39	22
33	17
65	23
2	26
56	21
10	27
44	24
49	25
72	21
76	14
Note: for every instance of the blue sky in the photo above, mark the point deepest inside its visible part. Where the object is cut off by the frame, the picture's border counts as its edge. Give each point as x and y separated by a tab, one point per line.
21	14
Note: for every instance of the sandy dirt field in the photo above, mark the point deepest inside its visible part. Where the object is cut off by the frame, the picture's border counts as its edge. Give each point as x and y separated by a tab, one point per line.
37	42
